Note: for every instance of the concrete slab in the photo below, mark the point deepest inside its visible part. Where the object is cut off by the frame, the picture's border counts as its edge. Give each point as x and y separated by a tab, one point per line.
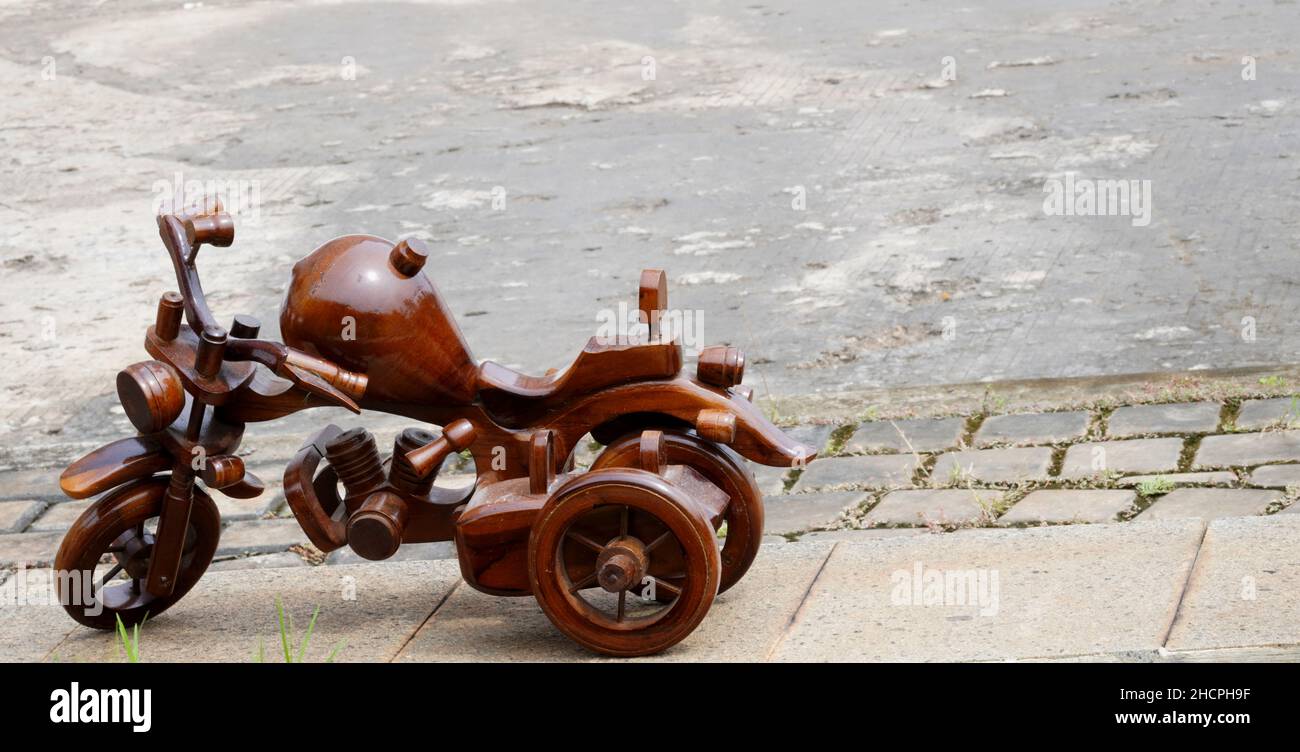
770	480
233	510
259	561
864	471
993	465
812	434
260	537
934	435
1056	506
227	613
1209	503
31	620
40	483
1061	591
1032	428
862	534
1247	449
60	516
1274	476
936	507
1244	589
472	626
32	549
744	623
1255	415
16	516
1180	418
795	513
1212	478
1133	456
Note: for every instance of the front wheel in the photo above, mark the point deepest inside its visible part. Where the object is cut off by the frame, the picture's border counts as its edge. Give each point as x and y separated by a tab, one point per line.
103	561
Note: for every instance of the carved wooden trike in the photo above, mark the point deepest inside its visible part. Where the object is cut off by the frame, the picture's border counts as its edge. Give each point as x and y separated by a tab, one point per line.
625	557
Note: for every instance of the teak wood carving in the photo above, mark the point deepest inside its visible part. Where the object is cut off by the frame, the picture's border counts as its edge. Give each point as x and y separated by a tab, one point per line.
625	557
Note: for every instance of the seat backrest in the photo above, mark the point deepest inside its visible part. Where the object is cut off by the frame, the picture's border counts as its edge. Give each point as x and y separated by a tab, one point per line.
602	364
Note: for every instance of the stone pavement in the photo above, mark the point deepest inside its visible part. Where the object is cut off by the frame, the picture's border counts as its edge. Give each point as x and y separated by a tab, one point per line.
1175	460
1167	528
1178	590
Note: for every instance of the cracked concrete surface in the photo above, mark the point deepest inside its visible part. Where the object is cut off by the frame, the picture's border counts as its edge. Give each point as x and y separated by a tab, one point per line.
1171	591
923	195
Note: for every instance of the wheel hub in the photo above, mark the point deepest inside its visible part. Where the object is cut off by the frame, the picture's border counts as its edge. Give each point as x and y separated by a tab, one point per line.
621	564
133	553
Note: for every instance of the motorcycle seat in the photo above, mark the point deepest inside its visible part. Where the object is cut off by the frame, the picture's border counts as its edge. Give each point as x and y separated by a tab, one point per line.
602	364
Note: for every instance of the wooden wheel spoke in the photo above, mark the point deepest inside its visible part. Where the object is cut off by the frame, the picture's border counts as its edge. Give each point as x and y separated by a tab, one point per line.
655	543
112	550
635	604
582	584
662	584
584	540
110	575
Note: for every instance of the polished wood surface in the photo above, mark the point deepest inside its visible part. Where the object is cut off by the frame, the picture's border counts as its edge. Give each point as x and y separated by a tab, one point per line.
116	528
623	558
720	366
597	514
152	395
348	304
516	399
652	300
114	464
721	467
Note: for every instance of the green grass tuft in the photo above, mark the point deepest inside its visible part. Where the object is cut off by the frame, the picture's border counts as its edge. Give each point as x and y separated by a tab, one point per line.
294	653
1155	486
130	641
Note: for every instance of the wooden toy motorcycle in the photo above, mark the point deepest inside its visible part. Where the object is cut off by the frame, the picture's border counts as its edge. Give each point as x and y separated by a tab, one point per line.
623	558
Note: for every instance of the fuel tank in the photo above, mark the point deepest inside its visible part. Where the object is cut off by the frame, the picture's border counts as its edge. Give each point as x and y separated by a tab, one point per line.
367	304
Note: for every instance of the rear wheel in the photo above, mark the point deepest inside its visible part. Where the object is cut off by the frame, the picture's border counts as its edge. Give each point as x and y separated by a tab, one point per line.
722	468
622	563
102	563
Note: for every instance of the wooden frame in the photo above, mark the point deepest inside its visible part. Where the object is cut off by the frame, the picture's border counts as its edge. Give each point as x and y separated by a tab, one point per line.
637	529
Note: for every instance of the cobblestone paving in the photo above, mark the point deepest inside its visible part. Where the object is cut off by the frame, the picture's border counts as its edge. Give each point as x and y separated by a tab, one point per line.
1101	466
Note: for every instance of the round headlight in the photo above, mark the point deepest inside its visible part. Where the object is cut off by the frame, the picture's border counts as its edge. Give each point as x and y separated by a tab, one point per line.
152	395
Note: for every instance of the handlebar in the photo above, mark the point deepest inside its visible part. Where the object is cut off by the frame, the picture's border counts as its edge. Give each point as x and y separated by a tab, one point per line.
183	233
307	372
182	239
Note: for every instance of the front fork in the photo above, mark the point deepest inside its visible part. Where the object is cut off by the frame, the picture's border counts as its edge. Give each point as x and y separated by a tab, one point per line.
174	517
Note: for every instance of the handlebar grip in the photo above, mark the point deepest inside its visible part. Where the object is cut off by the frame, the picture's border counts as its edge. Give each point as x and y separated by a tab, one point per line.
207	222
213	229
349	382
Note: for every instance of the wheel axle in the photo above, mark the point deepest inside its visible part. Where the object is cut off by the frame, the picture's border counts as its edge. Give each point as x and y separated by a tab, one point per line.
622	564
